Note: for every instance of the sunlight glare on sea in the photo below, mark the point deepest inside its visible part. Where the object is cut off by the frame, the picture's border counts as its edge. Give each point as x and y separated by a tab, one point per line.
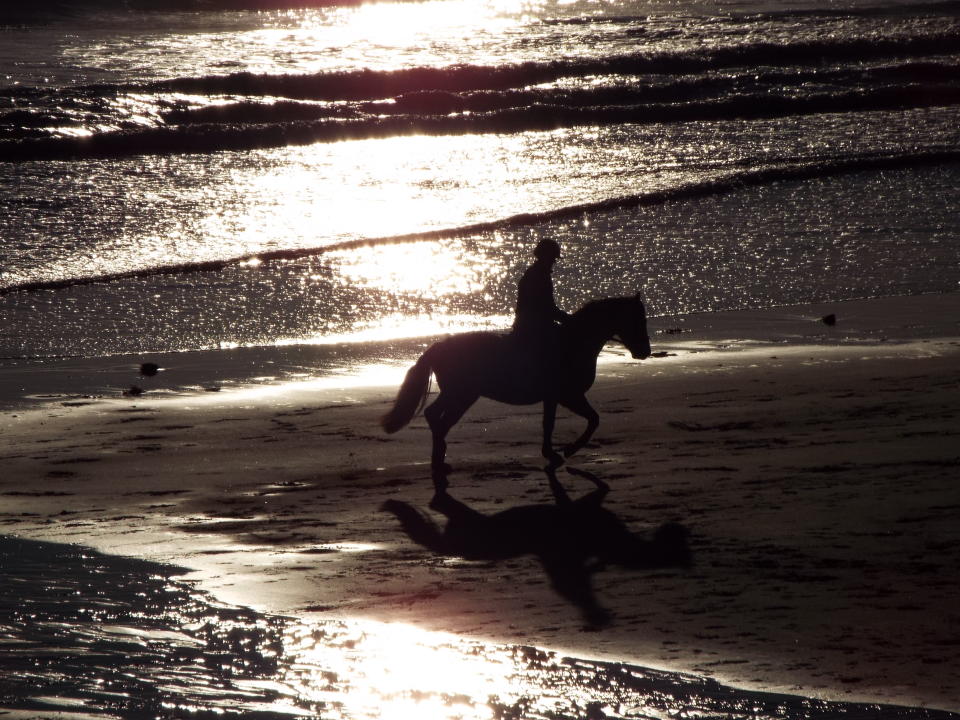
400	327
426	268
398	671
279	199
392	35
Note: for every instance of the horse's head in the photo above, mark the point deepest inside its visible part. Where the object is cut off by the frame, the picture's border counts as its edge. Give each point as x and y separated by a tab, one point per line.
633	329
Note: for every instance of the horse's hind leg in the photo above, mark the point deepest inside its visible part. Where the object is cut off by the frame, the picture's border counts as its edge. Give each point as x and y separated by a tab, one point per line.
442	415
554	460
434	415
581	407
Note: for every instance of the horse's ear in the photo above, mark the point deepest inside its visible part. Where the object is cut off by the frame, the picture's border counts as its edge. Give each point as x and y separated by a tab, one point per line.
638	297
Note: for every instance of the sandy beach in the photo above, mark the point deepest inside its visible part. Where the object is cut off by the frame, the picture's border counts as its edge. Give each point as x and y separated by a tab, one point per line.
814	466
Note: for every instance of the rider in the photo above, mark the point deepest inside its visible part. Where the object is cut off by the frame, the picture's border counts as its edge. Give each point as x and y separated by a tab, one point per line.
537	313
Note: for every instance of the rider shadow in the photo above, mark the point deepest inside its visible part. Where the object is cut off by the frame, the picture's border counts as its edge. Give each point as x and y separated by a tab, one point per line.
572	539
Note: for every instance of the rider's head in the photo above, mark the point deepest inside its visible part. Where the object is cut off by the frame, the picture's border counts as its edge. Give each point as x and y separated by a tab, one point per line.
547	250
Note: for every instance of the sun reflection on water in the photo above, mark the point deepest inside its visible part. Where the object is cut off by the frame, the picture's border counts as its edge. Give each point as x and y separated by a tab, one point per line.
397	671
125	639
329	193
425	268
391	35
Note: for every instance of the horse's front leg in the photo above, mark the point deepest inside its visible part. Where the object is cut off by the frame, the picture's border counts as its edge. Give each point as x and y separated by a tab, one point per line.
584	409
549	419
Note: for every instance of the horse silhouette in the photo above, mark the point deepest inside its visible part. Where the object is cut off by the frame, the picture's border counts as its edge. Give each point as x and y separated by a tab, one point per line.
572	538
496	366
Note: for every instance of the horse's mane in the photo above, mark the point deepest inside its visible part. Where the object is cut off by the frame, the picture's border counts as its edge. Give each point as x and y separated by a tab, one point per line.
603	306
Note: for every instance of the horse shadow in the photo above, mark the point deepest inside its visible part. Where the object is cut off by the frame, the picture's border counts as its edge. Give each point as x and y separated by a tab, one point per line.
573	539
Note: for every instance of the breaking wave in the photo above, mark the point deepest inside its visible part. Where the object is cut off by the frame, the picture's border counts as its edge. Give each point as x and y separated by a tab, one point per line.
244	111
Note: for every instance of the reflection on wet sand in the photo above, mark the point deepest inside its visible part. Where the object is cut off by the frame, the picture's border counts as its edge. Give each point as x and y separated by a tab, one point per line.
571	538
89	635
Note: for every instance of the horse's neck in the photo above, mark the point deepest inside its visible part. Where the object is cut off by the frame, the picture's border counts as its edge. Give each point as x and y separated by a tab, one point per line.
590	332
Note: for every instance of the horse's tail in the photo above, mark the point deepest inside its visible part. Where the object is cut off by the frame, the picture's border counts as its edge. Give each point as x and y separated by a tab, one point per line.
412	395
420	528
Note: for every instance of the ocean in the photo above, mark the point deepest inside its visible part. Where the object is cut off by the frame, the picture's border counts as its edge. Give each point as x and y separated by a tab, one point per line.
180	177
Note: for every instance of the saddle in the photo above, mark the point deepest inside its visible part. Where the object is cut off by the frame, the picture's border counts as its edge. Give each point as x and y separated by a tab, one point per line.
531	355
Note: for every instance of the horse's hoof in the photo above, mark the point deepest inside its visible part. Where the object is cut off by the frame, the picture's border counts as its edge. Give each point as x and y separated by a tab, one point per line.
569	450
439	499
439	475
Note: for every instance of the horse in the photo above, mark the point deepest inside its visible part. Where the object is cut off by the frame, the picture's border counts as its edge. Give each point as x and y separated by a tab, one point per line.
494	365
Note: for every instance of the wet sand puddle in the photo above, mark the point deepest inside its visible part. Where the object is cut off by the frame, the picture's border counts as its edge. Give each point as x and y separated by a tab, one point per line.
87	635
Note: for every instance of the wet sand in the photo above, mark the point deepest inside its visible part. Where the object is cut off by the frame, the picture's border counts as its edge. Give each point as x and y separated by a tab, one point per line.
815	468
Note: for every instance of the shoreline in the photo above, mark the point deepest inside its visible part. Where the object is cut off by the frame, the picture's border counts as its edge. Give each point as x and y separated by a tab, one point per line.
281	665
38	384
814	467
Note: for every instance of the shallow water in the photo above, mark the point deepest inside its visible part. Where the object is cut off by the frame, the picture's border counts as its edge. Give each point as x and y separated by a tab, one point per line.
90	635
777	243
